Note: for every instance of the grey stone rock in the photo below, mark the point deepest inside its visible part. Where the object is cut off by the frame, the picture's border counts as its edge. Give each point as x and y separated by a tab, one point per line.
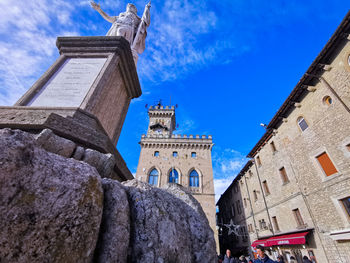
79	153
165	228
104	163
55	144
50	206
113	239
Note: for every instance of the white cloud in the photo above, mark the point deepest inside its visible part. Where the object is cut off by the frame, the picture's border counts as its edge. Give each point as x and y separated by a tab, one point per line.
227	164
220	185
28	31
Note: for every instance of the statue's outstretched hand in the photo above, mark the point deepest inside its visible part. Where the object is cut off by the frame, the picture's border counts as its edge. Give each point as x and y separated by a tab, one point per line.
95	6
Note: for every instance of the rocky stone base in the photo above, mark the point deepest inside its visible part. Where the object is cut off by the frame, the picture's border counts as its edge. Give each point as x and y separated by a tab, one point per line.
58	209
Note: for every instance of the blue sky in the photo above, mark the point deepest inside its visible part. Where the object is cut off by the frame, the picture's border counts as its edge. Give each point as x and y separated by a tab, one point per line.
229	65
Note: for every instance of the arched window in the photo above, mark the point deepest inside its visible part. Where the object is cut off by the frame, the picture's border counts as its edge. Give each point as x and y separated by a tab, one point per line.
173	176
194	179
153	177
302	123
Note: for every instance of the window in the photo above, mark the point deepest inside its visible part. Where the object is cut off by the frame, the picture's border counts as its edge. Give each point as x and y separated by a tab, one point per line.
235	188
250	173
348	147
346	204
284	176
266	188
173	176
255	195
302	123
250	228
175	154
298	218
326	164
156	153
238	205
194	179
193	154
258	160
273	146
262	224
153	177
232	210
275	223
245	202
327	100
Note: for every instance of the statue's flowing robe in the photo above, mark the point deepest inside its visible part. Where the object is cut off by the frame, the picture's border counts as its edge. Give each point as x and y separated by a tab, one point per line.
125	25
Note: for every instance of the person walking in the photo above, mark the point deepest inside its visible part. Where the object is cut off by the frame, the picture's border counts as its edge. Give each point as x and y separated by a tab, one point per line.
292	260
306	260
262	257
228	258
280	259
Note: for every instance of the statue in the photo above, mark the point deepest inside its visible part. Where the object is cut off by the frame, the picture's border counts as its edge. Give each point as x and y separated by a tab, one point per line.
129	26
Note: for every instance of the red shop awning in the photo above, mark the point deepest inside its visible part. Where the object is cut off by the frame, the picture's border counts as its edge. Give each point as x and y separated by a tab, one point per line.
291	239
262	242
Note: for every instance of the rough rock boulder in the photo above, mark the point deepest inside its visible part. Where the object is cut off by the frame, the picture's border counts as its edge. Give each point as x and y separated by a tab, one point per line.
165	228
50	206
113	240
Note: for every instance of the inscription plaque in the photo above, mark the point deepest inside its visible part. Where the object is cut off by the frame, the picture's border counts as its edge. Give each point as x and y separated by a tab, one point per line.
70	83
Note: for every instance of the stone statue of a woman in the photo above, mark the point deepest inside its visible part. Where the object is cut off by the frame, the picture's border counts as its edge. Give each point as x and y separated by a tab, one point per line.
129	26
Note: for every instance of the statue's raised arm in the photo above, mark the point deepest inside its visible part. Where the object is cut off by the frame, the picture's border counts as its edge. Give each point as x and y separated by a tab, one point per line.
129	26
97	7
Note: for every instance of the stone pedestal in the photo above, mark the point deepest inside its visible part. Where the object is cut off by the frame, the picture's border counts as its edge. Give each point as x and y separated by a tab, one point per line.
84	96
94	74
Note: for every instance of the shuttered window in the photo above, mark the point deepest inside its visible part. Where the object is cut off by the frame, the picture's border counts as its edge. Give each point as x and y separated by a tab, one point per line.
326	164
298	218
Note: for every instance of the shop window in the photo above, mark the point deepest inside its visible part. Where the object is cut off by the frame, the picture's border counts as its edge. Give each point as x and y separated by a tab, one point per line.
346	204
298	218
302	123
153	177
193	154
175	154
156	153
266	188
258	160
284	175
326	164
273	147
275	223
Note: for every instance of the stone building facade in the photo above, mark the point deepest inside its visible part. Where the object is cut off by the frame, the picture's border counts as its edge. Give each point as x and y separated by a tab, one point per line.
231	221
169	158
296	187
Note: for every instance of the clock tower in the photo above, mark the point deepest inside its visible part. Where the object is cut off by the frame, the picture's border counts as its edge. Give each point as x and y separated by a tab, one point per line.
166	158
161	121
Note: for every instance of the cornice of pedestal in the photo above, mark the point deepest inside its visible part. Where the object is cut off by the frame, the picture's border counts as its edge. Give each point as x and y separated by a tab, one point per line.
104	45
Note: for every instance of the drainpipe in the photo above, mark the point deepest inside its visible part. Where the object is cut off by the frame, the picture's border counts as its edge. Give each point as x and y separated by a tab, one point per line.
267	210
